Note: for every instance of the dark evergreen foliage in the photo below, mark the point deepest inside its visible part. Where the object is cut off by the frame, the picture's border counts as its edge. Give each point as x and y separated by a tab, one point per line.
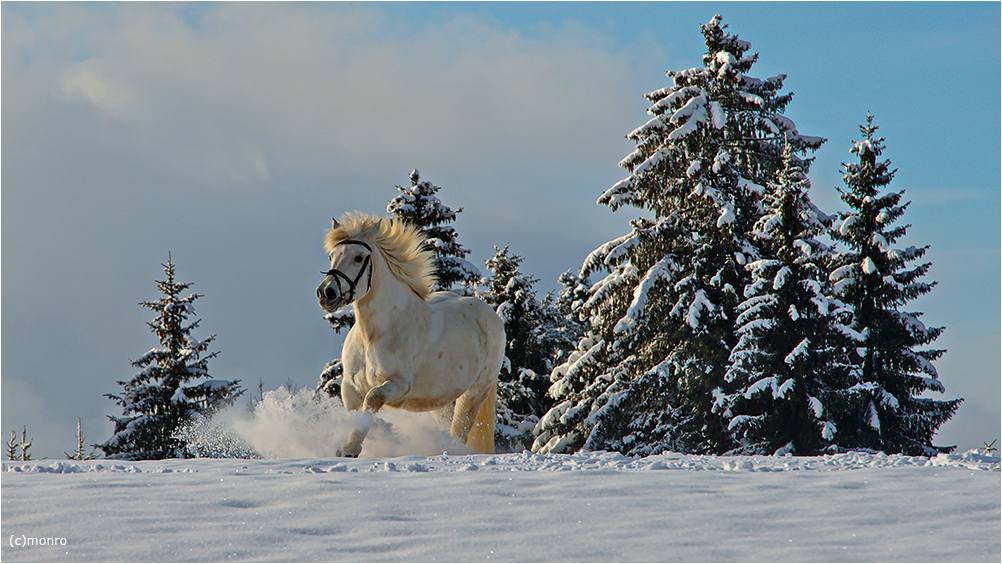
662	321
173	384
419	204
883	410
330	379
537	334
780	388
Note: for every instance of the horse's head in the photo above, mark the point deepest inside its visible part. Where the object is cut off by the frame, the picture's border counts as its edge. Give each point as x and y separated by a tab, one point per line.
350	276
361	243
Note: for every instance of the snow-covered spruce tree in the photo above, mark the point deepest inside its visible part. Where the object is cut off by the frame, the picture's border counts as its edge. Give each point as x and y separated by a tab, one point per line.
663	319
419	205
779	391
537	334
173	384
884	412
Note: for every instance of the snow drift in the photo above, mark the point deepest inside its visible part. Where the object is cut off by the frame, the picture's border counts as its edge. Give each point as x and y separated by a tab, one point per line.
585	507
302	504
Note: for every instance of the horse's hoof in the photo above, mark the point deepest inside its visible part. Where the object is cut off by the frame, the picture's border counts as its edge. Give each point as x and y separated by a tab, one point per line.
342	454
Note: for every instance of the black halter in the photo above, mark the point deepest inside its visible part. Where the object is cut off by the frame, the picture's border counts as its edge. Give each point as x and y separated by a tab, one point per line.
352	283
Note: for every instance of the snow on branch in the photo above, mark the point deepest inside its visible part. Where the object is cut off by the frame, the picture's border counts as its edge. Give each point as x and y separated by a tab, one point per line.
660	271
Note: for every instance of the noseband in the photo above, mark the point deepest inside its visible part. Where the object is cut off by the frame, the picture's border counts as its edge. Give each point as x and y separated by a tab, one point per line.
353	282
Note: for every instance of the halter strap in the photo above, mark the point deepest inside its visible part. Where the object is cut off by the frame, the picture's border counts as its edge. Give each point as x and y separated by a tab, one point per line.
352	282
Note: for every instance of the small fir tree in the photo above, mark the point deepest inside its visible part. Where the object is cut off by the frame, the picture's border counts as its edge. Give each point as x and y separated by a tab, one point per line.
883	410
419	204
537	333
13	445
173	384
78	454
662	320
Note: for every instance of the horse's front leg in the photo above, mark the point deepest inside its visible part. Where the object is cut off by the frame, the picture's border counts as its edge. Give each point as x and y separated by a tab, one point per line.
391	391
352	400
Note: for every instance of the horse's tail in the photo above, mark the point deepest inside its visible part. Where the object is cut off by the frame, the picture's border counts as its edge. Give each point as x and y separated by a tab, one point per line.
481	438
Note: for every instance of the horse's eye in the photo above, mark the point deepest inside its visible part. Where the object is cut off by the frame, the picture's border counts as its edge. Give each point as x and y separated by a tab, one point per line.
358	258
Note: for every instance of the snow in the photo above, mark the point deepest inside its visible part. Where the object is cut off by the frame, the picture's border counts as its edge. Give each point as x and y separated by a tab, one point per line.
816	406
694	105
725	58
828	430
868	266
751	186
633	158
717	116
654	124
620	250
847	224
695	111
699	304
780	280
593	506
754	99
785	122
620	275
923	363
660	271
761	386
619	194
410	501
216	385
179	396
651	161
874	417
799	352
726	215
812	140
671	99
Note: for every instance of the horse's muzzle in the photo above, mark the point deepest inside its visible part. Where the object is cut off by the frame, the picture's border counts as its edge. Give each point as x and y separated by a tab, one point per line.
329	296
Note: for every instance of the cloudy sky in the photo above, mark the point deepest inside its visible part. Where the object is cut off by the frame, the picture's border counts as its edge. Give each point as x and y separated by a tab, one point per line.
229	134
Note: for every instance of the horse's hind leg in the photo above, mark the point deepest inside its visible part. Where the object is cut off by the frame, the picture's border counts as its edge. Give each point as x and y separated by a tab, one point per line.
468	406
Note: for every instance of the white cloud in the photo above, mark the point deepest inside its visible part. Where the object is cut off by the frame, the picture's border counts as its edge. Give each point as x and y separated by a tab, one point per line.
257	86
86	82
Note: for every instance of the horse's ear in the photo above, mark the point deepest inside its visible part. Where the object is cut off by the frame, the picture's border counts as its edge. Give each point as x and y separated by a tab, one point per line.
334	224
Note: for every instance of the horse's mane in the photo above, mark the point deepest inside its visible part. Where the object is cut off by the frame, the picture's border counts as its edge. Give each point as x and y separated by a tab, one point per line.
401	244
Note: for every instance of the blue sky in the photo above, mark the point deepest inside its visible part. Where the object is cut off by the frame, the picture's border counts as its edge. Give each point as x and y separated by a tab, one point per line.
229	134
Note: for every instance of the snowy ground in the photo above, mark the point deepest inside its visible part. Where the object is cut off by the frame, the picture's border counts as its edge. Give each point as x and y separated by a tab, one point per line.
514	507
300	503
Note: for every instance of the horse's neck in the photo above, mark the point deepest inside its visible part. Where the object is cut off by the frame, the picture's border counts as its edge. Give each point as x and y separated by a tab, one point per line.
389	305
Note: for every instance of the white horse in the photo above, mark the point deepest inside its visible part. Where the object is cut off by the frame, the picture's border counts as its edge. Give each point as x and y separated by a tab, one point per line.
409	348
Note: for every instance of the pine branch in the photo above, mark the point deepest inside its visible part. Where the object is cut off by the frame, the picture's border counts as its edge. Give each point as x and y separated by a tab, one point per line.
989	448
12	446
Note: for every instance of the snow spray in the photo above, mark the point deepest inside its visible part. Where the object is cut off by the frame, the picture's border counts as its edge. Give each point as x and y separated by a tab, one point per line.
308	425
